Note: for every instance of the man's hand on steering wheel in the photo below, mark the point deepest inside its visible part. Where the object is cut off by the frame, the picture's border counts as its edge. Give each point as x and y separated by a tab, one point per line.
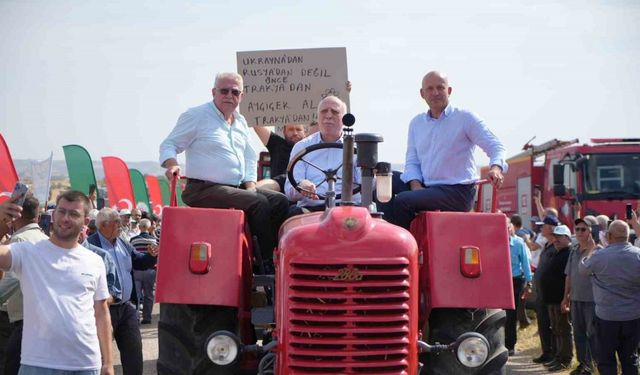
308	189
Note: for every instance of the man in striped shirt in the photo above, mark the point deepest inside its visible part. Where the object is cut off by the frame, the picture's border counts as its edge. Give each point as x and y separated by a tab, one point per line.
145	279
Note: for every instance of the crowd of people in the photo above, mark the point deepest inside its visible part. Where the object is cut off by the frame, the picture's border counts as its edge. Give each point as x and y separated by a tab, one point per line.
587	291
75	302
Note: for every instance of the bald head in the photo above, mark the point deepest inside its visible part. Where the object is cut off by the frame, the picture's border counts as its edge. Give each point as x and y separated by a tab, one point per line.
435	91
618	232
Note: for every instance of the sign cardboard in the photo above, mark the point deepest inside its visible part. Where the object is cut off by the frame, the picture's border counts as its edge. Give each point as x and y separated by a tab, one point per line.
285	86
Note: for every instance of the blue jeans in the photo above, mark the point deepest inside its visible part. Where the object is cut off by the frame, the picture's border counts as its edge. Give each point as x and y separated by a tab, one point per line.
32	370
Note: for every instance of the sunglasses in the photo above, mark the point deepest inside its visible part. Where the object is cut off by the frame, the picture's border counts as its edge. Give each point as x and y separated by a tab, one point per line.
234	92
581	229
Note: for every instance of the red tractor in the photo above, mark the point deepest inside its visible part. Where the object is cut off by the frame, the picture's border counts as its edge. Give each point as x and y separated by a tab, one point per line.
351	294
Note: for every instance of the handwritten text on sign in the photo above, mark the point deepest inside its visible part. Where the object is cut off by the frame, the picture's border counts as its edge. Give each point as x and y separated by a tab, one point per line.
284	86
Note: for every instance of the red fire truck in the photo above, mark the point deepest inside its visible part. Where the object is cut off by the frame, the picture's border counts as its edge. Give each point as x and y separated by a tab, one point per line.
351	294
603	176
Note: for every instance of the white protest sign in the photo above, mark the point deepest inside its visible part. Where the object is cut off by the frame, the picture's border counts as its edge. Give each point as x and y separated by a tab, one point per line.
285	86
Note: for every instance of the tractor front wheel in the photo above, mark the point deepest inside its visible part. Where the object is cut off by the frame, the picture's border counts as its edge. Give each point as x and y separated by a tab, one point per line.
182	334
445	325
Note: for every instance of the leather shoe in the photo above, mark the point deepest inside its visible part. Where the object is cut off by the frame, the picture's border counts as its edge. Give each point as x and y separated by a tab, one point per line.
145	322
542	359
560	367
512	352
551	363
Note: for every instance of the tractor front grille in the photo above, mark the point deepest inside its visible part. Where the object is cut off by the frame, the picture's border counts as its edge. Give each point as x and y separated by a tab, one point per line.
349	318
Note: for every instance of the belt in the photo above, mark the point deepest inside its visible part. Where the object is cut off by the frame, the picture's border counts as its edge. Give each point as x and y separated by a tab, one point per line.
197	181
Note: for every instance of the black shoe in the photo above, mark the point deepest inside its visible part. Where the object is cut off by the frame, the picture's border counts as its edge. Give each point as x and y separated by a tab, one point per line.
560	367
542	359
512	352
551	363
578	370
145	322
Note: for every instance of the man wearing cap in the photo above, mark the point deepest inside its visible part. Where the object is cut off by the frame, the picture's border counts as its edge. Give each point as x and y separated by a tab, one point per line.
615	277
547	342
552	290
578	298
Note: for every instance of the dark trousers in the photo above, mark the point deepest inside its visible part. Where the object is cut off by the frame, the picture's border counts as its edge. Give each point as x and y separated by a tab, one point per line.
14	348
145	290
582	320
622	338
511	332
265	209
126	332
5	332
547	343
561	329
403	207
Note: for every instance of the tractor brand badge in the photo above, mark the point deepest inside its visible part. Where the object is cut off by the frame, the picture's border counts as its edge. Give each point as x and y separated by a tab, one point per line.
348	274
350	223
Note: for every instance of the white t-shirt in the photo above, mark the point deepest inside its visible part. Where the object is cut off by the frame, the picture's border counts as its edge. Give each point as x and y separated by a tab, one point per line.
535	255
59	287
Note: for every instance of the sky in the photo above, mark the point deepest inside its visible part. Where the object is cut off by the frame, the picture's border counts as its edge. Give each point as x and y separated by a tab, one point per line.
114	76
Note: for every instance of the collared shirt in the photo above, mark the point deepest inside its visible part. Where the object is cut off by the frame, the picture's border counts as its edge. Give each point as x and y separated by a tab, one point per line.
120	254
550	274
113	281
440	151
329	158
519	258
615	278
215	150
581	288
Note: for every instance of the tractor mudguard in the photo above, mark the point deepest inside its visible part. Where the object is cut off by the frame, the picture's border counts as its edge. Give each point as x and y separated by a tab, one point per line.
203	256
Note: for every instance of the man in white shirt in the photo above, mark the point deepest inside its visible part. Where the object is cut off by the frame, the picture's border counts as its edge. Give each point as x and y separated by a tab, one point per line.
67	327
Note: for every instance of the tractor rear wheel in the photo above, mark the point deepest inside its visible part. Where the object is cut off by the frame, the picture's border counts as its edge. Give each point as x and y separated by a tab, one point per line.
445	325
182	334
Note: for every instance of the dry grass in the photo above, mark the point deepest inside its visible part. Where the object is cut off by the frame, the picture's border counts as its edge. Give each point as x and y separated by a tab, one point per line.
527	348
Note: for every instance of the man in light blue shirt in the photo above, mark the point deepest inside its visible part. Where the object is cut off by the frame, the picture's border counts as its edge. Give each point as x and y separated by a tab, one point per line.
221	164
440	170
520	274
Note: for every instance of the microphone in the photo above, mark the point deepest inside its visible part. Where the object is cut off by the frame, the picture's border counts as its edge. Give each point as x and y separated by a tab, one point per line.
348	120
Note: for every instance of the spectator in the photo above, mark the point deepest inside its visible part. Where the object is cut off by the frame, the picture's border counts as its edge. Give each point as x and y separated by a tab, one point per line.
521	274
25	229
309	178
440	171
603	224
524	234
578	298
616	292
145	279
552	289
635	224
547	341
65	296
123	314
221	165
537	242
279	151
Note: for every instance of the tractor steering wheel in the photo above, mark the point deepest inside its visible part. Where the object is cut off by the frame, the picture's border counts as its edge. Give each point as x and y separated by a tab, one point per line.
328	173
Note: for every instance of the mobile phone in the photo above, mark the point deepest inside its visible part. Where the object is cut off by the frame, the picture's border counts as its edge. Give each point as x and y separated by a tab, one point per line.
629	209
19	193
44	222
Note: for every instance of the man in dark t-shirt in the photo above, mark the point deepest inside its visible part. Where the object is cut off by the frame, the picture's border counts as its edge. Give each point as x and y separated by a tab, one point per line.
279	150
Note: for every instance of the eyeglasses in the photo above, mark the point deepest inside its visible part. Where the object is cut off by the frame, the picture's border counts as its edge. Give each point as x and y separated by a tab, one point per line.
581	229
234	92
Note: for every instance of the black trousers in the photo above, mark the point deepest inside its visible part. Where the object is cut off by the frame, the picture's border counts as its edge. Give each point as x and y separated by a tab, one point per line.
126	332
14	348
265	209
511	331
622	338
547	341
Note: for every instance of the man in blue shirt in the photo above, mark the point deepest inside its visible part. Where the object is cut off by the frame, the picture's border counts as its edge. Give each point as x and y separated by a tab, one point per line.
615	276
440	171
521	274
221	164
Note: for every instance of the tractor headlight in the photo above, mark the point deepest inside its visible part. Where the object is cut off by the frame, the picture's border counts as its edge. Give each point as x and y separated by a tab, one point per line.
222	348
472	349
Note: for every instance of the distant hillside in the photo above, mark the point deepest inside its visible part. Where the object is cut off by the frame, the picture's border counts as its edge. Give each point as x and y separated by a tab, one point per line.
59	168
